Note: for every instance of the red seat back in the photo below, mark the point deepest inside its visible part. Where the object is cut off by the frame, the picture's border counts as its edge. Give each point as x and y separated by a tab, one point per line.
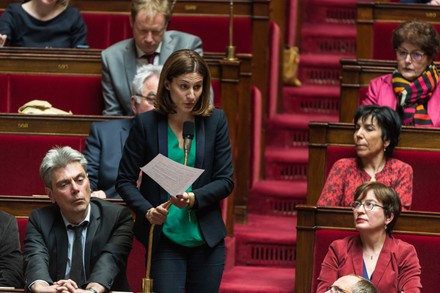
216	38
424	164
80	94
382	35
21	156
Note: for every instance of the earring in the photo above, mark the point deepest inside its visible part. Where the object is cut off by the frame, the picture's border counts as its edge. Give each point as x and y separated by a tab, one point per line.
386	226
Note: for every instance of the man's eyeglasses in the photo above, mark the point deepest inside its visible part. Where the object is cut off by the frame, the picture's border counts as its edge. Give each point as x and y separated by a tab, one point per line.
415	56
150	98
368	205
336	289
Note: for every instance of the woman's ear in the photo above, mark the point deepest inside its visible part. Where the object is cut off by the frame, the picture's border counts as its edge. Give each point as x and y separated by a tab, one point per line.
389	219
166	84
386	143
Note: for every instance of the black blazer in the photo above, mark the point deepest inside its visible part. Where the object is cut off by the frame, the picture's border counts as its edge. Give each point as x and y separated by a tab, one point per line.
108	243
11	262
103	152
149	137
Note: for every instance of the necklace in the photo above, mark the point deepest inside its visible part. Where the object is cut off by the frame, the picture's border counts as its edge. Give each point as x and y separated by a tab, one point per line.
370	256
373	172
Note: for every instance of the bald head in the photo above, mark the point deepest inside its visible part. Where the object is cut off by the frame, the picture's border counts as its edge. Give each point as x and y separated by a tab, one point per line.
346	282
353	284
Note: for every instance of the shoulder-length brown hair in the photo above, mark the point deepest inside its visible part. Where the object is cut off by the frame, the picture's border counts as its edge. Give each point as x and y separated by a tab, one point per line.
179	63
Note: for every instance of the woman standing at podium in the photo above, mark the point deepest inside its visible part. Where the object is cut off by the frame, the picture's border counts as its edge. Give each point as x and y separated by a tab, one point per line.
188	251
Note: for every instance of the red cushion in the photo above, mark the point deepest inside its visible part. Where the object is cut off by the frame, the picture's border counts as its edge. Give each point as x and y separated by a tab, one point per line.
362	95
80	94
105	29
217	92
427	248
4	89
22	222
382	44
426	173
214	31
136	266
21	156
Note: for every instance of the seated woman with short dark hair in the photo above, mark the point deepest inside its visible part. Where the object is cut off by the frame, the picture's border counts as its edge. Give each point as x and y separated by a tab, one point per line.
376	133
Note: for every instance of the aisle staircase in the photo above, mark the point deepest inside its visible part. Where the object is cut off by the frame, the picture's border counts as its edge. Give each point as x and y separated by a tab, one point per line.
265	247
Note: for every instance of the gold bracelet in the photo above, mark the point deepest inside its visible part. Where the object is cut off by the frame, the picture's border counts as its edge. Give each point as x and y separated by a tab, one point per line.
192	199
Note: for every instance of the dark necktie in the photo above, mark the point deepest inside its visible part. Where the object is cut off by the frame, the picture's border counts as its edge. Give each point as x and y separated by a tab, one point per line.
150	57
77	267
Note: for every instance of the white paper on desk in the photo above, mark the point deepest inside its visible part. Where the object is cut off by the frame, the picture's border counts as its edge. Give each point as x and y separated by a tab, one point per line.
174	177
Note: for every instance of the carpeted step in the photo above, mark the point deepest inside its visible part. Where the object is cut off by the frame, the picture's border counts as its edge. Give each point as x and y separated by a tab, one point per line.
277	197
314	99
299	121
291	130
331	39
266	241
330	11
244	279
287	164
319	69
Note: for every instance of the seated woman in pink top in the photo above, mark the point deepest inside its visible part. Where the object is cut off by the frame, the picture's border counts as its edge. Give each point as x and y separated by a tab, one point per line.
376	133
412	88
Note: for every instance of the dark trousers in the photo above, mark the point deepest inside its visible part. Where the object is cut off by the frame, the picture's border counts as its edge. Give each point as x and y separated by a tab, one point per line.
176	268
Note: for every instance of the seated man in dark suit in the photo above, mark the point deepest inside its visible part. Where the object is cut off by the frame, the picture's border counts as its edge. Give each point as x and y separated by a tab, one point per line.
75	244
151	43
106	140
11	262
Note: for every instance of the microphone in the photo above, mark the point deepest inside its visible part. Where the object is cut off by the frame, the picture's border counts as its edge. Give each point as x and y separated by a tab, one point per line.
188	135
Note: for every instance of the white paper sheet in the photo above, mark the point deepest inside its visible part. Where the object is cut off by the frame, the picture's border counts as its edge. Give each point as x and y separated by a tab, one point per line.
174	177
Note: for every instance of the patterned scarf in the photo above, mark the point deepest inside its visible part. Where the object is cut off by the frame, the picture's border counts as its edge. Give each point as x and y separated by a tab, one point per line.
414	96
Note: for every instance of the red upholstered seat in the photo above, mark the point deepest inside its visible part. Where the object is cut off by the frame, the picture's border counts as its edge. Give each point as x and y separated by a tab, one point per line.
21	157
426	247
426	174
80	94
362	95
217	92
382	34
4	89
22	222
105	29
136	266
214	31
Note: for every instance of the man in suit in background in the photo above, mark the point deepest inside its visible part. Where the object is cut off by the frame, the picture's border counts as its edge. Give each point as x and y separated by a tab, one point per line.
106	140
75	244
151	43
11	262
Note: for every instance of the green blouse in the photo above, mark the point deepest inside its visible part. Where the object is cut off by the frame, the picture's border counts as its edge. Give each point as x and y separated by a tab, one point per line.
181	225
